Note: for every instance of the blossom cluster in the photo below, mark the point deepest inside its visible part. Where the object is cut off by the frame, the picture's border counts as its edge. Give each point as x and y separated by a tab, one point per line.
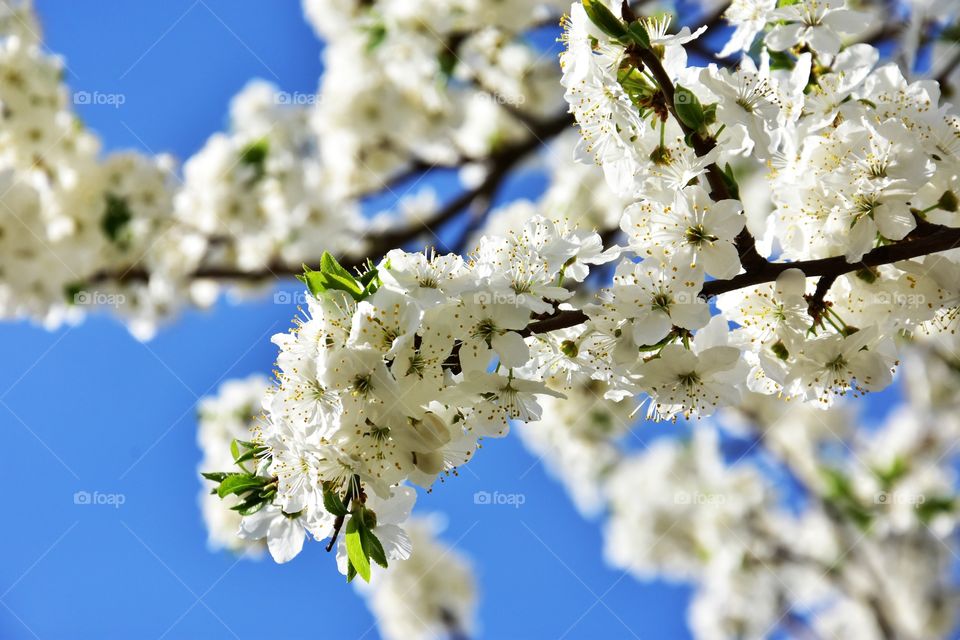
396	371
392	377
140	237
429	594
856	159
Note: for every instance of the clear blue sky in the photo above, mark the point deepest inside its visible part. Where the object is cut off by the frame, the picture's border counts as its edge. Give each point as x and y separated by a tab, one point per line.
91	409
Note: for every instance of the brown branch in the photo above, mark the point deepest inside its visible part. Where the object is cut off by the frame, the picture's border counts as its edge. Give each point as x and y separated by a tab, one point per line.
816	304
499	165
928	240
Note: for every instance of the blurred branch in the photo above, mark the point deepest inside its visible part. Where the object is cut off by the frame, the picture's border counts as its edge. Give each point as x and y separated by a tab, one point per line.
499	165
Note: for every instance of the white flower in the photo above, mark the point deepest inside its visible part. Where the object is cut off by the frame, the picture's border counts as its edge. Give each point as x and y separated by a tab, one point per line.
516	397
650	298
489	327
749	17
817	23
692	230
836	365
692	384
284	532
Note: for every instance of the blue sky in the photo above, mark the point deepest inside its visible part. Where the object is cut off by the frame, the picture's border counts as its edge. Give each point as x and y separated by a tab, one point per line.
91	409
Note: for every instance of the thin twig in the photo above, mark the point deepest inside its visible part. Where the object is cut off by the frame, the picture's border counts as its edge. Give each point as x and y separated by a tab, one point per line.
500	163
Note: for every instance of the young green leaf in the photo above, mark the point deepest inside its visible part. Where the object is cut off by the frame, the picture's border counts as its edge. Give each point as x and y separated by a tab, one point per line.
688	107
346	283
316	282
250	506
116	220
355	551
601	16
333	503
330	265
239	483
255	155
372	546
637	34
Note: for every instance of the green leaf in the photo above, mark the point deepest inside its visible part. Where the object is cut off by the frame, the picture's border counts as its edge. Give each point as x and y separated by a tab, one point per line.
637	34
372	546
329	264
316	282
447	60
839	491
355	551
72	290
934	506
250	454
116	219
781	60
333	503
601	16
889	476
731	180
216	476
250	506
332	277
351	571
239	483
255	155
377	34
688	108
339	283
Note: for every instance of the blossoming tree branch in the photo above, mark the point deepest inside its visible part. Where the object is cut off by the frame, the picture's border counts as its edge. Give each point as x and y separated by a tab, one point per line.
737	233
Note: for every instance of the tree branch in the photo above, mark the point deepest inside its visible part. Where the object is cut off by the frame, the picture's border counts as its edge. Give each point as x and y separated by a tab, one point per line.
926	241
499	165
